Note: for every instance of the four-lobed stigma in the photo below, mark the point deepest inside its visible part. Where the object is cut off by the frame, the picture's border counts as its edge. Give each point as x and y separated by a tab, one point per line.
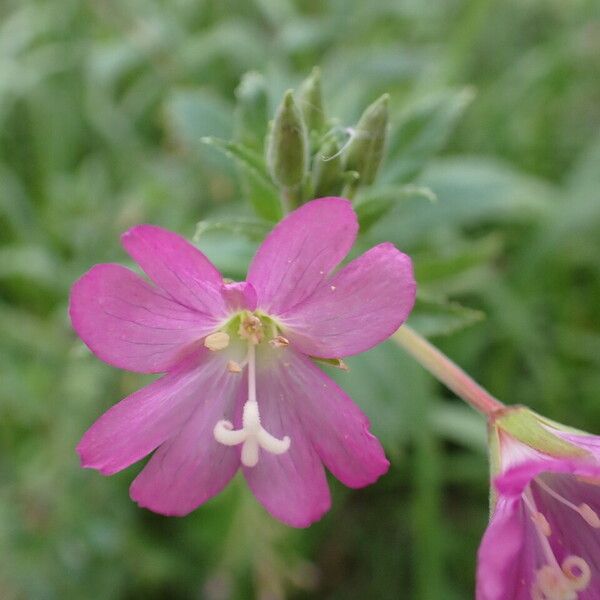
252	435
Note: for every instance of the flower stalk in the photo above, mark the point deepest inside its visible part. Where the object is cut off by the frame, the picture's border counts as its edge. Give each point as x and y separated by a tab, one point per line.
446	371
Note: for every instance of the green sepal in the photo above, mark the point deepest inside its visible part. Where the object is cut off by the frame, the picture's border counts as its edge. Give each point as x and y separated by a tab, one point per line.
526	427
255	181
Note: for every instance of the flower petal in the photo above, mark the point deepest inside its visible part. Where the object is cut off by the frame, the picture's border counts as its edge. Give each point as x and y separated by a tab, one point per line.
337	428
141	422
507	555
192	466
356	309
239	296
301	252
177	267
291	486
513	481
130	324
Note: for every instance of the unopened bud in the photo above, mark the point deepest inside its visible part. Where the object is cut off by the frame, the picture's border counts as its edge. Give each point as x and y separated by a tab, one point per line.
251	112
310	101
327	170
287	149
364	153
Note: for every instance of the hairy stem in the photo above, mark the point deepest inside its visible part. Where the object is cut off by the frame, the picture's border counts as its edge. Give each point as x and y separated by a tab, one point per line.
446	371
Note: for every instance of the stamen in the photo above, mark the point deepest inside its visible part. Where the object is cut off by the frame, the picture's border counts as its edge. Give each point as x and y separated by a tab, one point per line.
279	342
251	329
587	513
544	543
554	581
586	479
219	340
542	523
234	367
590	515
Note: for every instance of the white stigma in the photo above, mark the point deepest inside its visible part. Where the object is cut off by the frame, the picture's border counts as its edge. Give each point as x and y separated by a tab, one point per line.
554	581
252	435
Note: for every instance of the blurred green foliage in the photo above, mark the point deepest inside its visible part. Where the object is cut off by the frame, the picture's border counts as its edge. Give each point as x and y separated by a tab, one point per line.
491	182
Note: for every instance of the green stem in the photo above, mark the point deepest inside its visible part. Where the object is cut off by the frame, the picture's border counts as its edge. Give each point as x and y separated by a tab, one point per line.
446	371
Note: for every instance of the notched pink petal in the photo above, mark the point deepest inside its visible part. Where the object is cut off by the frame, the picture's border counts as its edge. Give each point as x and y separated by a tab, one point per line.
301	251
358	308
292	486
337	428
505	571
130	324
513	481
141	422
177	267
192	466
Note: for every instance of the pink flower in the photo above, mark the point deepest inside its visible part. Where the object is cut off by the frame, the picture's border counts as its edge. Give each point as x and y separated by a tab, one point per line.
543	541
240	388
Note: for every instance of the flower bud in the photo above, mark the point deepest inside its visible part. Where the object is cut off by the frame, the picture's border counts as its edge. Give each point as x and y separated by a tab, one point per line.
310	101
364	153
251	112
287	149
327	170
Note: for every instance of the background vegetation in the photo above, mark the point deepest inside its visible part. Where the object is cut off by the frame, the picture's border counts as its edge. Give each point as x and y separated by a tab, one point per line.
496	108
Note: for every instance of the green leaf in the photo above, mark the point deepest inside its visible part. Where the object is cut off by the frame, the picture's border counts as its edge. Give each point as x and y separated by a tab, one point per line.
432	316
460	424
422	132
192	114
33	263
261	193
253	229
372	205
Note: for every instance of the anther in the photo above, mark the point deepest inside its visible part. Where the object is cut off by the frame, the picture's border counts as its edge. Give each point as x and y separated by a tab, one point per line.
251	329
279	342
219	340
590	515
234	367
541	523
585	510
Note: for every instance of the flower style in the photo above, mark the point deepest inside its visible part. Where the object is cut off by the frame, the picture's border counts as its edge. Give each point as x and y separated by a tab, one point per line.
543	541
240	387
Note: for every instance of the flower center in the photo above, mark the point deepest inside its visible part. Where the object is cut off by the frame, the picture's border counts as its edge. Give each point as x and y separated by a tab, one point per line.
554	581
251	330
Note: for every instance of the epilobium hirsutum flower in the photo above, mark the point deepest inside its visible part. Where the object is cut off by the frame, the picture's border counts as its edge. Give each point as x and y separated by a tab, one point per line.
240	388
543	541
